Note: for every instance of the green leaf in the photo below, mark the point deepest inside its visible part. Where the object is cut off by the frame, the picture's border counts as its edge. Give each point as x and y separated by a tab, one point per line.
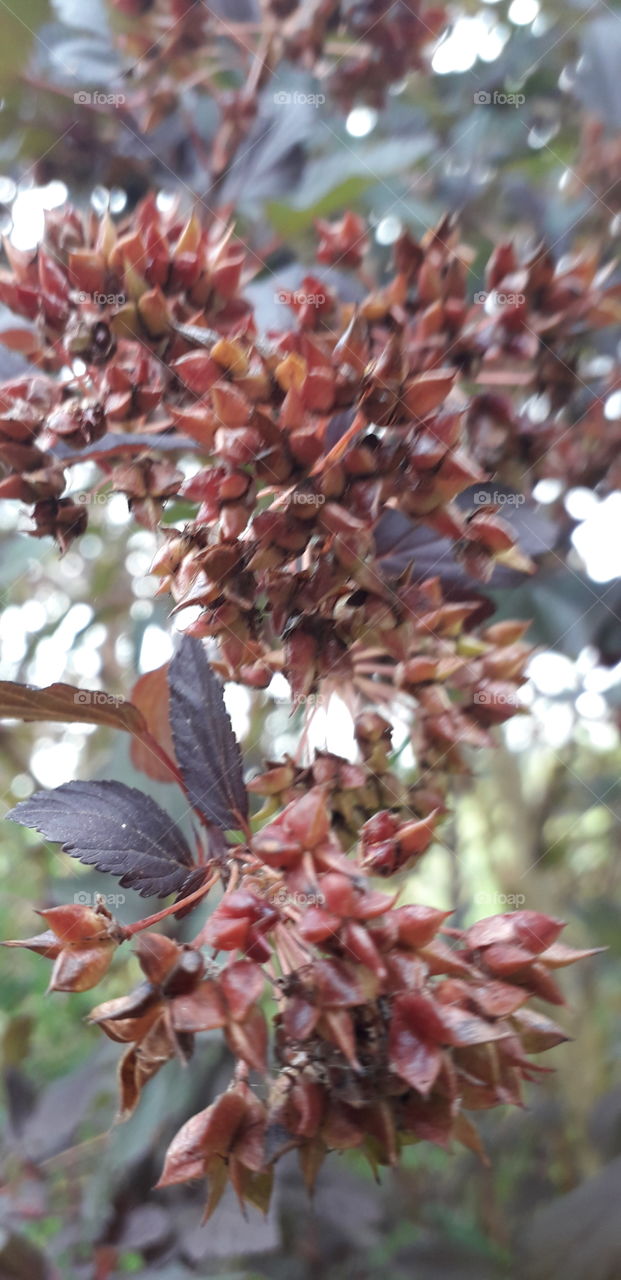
337	180
287	220
21	20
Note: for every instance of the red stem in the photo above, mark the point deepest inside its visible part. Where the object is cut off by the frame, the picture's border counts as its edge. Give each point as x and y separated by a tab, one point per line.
132	929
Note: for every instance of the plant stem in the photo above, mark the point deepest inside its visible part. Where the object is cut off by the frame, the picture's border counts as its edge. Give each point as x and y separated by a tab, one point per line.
132	929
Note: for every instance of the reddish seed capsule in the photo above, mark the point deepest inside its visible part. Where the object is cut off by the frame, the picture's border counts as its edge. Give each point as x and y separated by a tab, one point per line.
382	859
339	894
382	826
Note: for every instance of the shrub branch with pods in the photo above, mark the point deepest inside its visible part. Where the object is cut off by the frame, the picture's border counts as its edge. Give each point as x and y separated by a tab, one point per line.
355	50
354	1021
364	473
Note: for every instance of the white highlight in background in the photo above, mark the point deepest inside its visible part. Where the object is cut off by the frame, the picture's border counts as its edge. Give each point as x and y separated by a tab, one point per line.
28	212
361	121
598	542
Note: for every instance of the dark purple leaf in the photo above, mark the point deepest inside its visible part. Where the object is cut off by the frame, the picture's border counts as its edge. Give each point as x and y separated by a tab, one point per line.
406	547
194	881
205	745
533	530
120	442
415	552
399	544
339	423
114	828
